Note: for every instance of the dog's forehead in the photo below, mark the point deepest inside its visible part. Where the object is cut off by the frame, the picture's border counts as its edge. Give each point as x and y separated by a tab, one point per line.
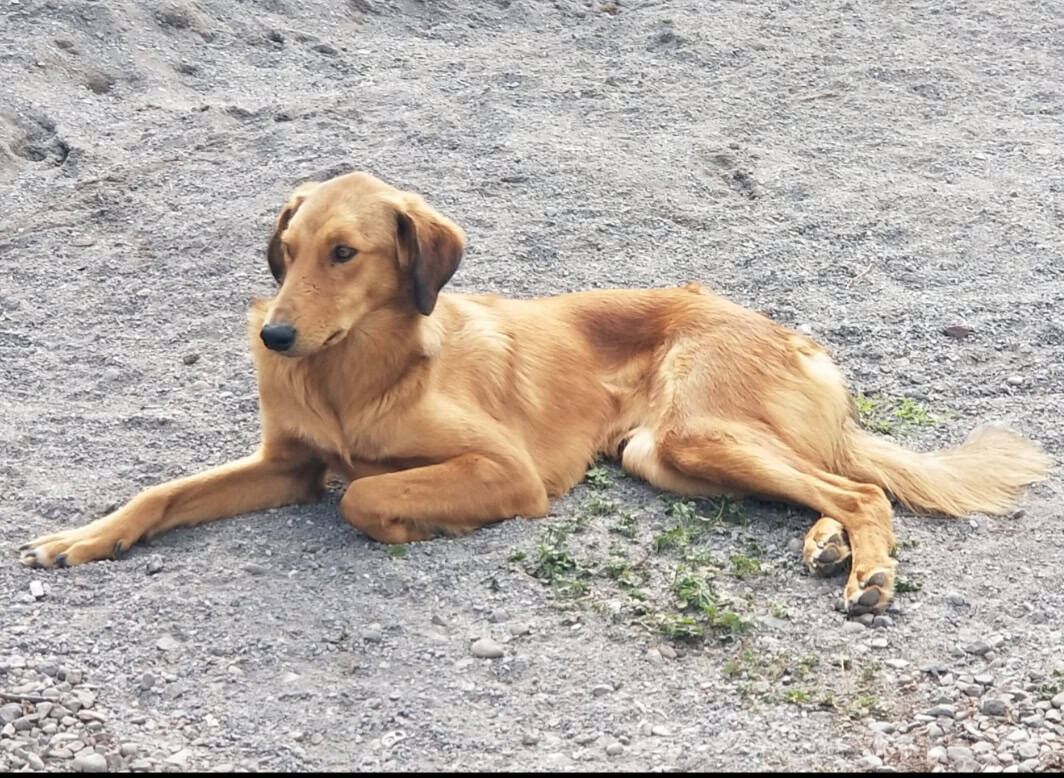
347	206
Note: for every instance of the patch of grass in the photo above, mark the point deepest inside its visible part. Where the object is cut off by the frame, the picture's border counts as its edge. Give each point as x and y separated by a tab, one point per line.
862	706
598	477
566	588
797	697
889	415
778	611
552	558
906	585
517	556
869	671
692	589
625	526
807	664
596	505
677	626
1050	689
911	412
681	510
699	607
677	537
397	551
744	567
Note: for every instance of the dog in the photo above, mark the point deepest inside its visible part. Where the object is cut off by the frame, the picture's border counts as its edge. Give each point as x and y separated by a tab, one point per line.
447	412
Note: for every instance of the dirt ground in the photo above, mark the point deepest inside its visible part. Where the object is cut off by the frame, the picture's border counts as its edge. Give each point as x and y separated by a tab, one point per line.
885	176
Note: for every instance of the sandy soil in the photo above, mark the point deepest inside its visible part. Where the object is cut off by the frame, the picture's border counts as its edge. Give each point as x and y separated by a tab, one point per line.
874	173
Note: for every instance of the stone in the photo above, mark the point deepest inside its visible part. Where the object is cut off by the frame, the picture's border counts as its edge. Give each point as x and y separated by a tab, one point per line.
90	762
614	749
943	709
486	648
1028	750
994	706
166	643
960	753
374	633
37	590
937	754
10	712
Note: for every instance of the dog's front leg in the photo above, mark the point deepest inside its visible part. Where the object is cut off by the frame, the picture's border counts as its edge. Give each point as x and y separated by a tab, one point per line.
453	497
262	480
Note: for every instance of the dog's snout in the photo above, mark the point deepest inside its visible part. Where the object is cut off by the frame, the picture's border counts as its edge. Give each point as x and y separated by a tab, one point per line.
278	337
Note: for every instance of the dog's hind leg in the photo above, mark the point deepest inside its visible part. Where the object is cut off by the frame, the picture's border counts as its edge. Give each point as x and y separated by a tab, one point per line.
266	479
736	458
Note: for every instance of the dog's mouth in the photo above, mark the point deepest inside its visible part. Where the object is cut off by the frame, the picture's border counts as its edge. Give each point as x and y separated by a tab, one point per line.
332	338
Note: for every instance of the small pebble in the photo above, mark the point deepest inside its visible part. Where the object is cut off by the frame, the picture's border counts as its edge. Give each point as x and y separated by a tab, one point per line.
36	590
166	643
614	749
978	648
960	753
373	634
155	564
993	706
943	710
486	648
937	754
1028	750
660	730
10	712
90	762
190	358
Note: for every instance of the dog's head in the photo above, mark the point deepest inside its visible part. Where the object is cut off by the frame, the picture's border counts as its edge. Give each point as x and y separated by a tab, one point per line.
347	248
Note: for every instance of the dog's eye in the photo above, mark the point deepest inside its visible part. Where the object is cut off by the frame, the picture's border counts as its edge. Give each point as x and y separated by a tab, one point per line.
343	253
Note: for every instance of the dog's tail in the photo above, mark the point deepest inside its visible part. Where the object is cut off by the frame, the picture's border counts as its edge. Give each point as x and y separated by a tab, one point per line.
985	474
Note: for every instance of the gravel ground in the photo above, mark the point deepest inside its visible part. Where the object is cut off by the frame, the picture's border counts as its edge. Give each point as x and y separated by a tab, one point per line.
885	176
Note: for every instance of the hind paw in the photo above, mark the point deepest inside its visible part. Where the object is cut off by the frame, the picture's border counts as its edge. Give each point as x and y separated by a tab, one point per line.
826	550
869	591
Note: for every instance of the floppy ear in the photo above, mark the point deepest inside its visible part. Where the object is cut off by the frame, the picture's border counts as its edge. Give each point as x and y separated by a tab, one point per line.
429	246
275	251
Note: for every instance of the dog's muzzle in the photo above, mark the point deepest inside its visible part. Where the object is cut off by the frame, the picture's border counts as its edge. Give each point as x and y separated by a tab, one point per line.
278	337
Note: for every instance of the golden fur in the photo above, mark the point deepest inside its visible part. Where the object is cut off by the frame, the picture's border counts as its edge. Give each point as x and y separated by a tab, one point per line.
447	412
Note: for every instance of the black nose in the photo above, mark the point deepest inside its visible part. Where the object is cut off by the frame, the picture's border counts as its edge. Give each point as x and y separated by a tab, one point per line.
278	337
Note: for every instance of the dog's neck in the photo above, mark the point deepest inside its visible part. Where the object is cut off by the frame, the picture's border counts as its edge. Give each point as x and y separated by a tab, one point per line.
376	360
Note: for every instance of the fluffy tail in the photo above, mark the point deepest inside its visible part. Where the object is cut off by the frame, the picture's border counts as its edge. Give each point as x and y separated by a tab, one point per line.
985	474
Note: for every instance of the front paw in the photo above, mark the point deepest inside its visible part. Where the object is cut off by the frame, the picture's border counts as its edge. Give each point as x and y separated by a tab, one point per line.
72	547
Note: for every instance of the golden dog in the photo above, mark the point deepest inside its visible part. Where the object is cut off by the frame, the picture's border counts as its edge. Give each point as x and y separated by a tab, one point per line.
448	412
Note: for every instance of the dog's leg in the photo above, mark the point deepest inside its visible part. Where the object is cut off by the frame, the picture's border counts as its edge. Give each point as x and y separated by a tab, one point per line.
254	483
748	460
454	496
